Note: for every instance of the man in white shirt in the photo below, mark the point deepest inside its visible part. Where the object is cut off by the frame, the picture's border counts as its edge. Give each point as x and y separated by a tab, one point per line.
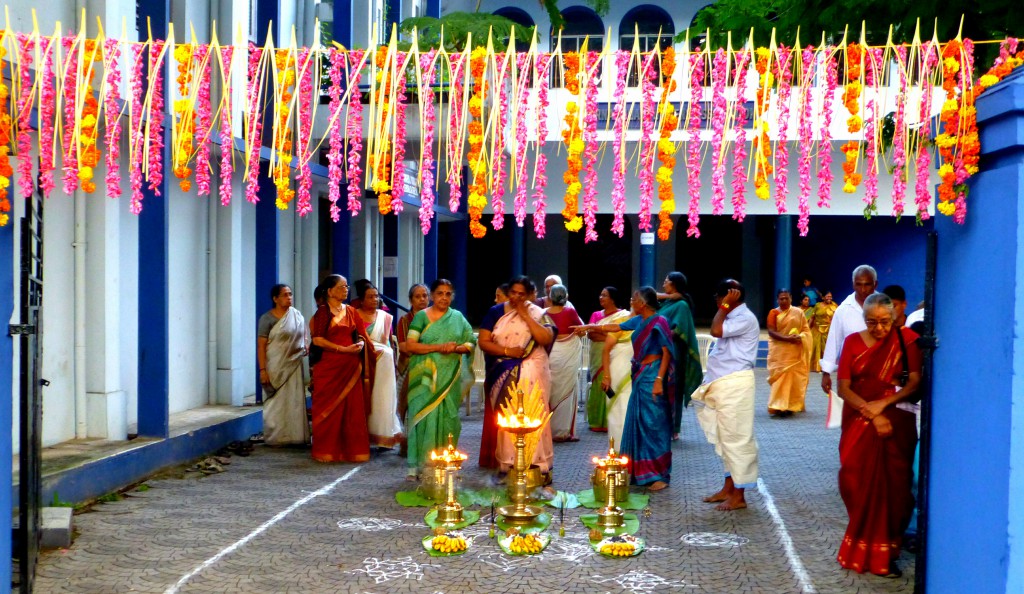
849	318
727	395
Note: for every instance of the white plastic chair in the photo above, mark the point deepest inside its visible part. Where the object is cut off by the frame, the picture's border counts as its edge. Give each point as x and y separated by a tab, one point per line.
704	344
479	374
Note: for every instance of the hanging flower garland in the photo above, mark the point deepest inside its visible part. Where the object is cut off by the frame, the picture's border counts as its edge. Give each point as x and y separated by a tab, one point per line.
958	142
24	134
306	98
70	152
400	140
135	131
254	122
540	178
354	132
590	204
428	65
622	60
155	124
648	112
184	117
899	148
806	133
693	154
572	136
456	123
284	61
477	166
335	140
521	80
667	148
784	74
825	176
47	110
88	135
227	139
499	158
112	115
5	139
851	96
719	109
381	161
872	77
204	114
922	185
739	155
761	145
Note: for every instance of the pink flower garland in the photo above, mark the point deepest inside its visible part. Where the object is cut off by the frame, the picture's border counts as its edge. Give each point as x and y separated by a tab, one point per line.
306	98
112	51
70	177
204	121
397	168
227	139
254	112
540	181
523	100
334	159
899	151
806	132
619	119
136	138
825	175
922	185
960	214
739	155
155	174
693	143
719	109
24	115
590	203
354	133
47	109
428	66
501	166
873	57
647	143
456	119
784	74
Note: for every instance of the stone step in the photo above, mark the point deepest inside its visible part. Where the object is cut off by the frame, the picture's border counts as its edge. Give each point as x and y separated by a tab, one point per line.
55	526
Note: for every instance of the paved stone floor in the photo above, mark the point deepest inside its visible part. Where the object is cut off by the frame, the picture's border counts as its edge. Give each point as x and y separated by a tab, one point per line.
279	522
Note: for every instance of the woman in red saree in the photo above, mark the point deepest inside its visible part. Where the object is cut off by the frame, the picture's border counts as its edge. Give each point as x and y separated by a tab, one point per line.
879	367
339	402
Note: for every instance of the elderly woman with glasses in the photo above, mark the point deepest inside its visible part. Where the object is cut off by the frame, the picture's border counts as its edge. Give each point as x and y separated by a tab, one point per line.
879	368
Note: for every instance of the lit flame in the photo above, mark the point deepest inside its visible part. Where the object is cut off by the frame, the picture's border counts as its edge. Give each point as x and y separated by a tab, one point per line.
602	462
513	422
448	455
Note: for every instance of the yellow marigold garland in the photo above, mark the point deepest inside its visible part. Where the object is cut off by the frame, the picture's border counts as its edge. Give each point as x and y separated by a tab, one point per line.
184	117
89	153
851	96
666	148
761	145
382	162
6	171
477	200
572	136
285	64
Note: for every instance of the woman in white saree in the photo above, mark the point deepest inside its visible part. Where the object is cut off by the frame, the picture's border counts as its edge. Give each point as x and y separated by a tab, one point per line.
618	351
281	344
384	425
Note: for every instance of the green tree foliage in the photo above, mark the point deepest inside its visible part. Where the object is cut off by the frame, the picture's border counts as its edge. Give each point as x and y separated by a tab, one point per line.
457	28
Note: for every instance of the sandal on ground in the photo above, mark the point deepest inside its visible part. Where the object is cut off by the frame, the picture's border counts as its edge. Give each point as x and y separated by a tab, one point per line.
894	572
256	437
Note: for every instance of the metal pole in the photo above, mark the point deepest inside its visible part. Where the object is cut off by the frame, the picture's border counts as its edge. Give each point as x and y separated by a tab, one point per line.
928	345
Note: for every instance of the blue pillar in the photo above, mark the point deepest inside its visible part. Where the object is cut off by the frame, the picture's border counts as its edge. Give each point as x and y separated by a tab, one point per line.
430	253
456	250
154	335
342	24
390	250
648	259
518	250
392	17
433	9
341	231
783	252
6	395
978	450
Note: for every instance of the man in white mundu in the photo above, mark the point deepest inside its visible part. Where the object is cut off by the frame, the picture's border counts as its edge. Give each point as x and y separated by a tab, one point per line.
727	395
848	319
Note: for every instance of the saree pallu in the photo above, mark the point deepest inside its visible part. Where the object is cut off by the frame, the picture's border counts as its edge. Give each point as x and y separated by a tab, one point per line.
597	401
339	404
647	429
875	473
789	363
689	373
620	368
402	367
564	363
496	448
383	423
820	322
284	413
435	385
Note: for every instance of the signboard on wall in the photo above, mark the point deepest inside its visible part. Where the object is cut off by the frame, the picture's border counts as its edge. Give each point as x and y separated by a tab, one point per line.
390	267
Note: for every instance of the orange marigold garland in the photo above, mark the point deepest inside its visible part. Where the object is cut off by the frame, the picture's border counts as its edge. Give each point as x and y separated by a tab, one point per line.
285	63
958	143
667	148
851	97
477	200
382	161
88	139
761	145
184	117
6	171
572	136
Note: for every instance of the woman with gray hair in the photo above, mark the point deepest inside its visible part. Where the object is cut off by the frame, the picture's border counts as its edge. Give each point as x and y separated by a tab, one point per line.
879	367
565	366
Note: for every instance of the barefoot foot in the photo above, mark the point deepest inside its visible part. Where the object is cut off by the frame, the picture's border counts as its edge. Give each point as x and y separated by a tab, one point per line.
733	502
657	486
717	497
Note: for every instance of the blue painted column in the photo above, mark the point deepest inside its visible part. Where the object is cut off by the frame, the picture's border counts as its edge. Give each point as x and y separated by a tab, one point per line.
390	250
392	17
6	395
434	9
341	232
648	259
977	404
154	333
456	250
783	252
430	253
518	250
266	241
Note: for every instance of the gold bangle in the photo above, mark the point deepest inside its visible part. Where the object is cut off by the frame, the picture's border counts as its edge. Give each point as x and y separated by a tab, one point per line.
505	351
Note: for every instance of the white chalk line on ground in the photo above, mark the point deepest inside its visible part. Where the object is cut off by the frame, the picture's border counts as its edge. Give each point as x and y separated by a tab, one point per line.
787	543
262	527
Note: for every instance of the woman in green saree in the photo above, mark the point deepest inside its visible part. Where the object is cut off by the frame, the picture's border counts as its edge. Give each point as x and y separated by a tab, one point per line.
677	309
440	341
